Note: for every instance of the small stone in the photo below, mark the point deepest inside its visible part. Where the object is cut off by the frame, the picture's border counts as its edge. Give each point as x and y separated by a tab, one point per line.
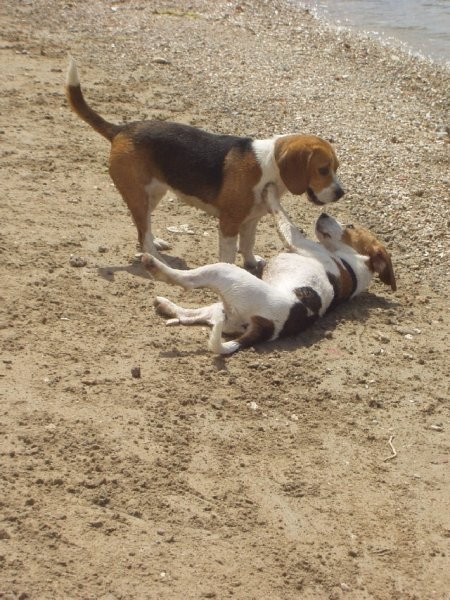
408	331
378	352
136	372
160	60
345	587
4	535
102	249
437	427
253	406
96	524
77	261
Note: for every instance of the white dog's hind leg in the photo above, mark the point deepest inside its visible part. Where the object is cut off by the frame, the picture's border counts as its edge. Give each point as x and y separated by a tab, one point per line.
163	272
259	330
215	343
207	315
219	277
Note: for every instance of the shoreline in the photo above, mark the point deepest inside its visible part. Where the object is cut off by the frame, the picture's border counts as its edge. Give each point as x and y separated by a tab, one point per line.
386	37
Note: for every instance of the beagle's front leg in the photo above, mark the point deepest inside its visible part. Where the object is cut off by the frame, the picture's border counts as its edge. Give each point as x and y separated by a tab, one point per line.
227	248
247	234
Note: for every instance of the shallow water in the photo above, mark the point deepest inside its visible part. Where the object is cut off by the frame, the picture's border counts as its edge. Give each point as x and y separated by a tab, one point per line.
423	25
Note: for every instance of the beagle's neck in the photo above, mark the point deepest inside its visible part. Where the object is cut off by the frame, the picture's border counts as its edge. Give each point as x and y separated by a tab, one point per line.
265	155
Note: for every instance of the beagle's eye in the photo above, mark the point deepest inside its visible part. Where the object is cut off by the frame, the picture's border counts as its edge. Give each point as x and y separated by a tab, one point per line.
324	171
350	226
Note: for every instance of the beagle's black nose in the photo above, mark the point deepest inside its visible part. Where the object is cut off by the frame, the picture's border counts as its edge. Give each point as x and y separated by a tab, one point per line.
338	193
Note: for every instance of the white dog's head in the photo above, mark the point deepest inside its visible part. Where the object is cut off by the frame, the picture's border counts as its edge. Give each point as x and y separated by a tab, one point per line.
335	236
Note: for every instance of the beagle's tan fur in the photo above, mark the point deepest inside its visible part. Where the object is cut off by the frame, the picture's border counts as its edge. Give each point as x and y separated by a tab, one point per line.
223	175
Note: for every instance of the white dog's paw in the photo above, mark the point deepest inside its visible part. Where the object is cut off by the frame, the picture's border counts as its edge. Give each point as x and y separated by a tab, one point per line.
172	322
165	307
149	262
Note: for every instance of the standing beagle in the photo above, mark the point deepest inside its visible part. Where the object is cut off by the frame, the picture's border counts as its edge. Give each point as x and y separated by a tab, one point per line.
224	175
296	288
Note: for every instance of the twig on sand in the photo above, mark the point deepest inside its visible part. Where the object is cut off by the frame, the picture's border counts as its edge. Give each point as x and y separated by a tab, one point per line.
394	451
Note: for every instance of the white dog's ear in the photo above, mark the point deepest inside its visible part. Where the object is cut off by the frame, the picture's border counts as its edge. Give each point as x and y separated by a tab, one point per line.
381	263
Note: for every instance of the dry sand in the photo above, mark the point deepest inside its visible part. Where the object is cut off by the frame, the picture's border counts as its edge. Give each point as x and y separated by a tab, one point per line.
263	476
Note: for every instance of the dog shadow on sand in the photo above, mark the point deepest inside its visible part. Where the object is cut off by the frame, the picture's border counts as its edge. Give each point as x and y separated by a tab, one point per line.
136	268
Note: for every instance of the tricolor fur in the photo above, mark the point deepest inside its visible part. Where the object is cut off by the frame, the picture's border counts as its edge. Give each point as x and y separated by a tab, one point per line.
295	290
224	175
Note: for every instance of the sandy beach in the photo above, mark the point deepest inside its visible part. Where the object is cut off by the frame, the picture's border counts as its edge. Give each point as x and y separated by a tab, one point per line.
268	475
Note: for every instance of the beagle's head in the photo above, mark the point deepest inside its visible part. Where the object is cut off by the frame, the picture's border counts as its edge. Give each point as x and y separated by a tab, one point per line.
308	163
335	236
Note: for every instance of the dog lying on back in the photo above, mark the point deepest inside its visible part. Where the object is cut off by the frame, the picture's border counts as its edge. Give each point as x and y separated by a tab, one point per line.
295	290
223	175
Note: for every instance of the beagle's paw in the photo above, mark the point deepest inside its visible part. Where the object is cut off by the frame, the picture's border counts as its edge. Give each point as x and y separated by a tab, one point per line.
161	244
257	267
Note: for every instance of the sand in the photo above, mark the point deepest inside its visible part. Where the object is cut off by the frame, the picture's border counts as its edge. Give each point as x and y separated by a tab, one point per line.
268	475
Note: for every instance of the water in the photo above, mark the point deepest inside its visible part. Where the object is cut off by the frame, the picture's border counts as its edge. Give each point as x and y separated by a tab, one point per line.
422	25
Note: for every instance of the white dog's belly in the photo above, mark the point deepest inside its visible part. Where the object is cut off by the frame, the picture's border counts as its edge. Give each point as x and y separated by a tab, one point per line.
288	272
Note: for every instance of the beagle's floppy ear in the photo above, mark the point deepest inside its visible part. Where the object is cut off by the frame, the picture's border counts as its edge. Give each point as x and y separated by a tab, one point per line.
293	163
381	263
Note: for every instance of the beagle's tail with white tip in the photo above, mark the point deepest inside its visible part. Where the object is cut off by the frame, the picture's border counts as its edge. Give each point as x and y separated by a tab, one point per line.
82	109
